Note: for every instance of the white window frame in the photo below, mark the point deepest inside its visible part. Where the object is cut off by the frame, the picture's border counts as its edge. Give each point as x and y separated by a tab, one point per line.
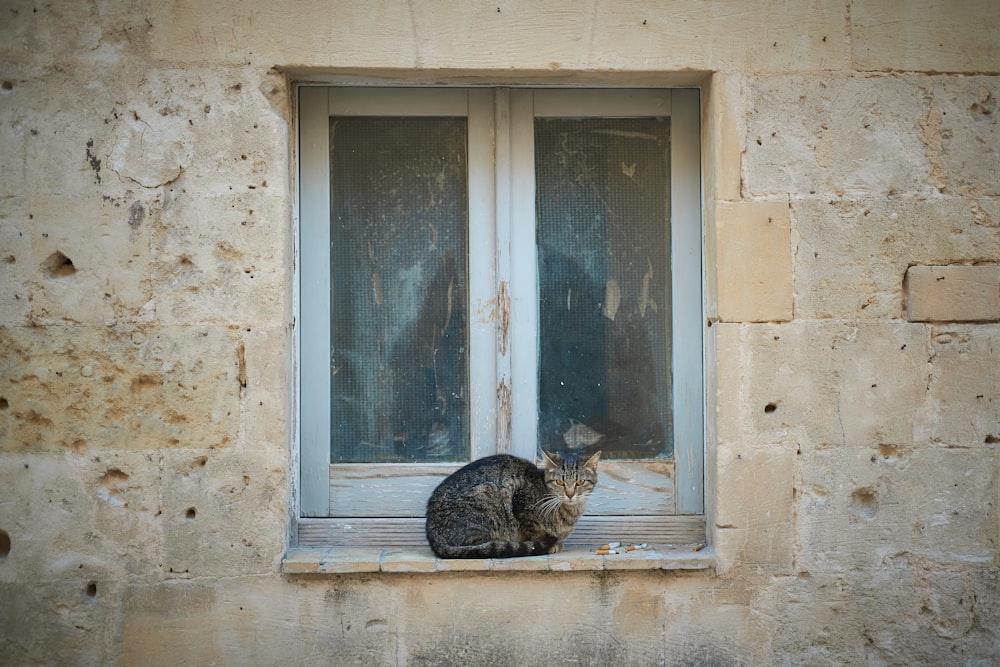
503	362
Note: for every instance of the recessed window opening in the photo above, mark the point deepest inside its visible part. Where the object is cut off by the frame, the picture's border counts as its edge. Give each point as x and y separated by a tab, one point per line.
499	270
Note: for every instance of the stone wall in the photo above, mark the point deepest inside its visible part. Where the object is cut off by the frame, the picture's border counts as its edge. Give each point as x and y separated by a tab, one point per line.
852	201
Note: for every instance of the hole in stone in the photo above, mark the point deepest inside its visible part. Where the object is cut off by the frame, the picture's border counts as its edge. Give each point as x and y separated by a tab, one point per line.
3	403
59	265
990	439
864	502
4	545
770	407
92	590
191	513
888	451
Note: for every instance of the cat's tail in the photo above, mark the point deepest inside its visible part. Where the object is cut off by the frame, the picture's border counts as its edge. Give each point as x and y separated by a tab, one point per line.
496	549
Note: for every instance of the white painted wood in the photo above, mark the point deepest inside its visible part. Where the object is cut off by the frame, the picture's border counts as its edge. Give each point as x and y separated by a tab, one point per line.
503	380
688	313
398	101
589	532
637	488
524	277
314	301
384	489
316	107
502	258
482	274
619	103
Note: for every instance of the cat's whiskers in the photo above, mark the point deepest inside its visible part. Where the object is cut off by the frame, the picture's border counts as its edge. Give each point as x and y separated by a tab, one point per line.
548	505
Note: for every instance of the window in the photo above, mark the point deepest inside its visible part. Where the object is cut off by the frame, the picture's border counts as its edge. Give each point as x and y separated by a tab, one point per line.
497	270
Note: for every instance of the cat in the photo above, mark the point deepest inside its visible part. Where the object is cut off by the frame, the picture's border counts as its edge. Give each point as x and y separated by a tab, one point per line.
503	506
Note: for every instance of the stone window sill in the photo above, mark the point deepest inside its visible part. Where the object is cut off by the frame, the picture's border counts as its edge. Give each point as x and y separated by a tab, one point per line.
352	560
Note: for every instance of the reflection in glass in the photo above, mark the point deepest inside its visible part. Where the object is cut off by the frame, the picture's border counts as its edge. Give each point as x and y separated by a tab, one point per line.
604	295
398	359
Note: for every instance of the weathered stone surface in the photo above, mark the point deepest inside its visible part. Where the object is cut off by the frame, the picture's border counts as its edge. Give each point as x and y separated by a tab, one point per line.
212	524
859	506
783	35
925	36
961	130
835	136
754	261
148	463
851	255
753	518
953	293
725	139
218	260
963	387
120	387
821	384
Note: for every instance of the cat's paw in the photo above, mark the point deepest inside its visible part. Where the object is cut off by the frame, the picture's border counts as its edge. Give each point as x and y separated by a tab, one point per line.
555	548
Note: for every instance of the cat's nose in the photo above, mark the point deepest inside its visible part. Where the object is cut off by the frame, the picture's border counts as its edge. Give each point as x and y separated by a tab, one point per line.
570	492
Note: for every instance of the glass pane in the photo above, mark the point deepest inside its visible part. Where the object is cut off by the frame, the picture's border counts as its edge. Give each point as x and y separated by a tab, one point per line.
399	291
602	197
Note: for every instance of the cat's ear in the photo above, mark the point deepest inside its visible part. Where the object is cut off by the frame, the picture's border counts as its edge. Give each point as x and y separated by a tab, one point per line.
552	460
591	463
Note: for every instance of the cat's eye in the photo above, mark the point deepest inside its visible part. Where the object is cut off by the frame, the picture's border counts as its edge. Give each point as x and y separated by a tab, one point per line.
579	482
559	482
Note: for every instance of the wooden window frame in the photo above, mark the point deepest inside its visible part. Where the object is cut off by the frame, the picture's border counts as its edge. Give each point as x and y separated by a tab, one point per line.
502	228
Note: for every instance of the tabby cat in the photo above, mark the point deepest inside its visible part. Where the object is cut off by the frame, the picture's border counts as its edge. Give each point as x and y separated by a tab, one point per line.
503	506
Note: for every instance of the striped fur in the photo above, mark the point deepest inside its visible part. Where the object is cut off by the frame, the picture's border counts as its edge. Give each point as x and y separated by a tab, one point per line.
503	506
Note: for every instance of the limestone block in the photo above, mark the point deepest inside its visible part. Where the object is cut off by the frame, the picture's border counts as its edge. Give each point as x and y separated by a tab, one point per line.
925	36
859	505
120	388
48	35
223	259
962	133
953	293
223	511
145	128
725	132
117	516
835	136
820	384
754	507
963	387
210	131
908	609
79	516
63	140
69	621
154	615
265	419
79	260
551	36
851	255
753	261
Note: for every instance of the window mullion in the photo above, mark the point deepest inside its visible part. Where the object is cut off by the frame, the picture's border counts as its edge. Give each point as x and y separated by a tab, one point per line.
523	276
483	257
502	315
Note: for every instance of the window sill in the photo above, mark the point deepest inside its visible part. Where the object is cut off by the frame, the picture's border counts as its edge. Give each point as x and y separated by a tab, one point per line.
353	560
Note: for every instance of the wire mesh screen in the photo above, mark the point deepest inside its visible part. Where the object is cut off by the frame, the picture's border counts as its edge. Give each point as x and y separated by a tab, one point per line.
603	235
399	291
